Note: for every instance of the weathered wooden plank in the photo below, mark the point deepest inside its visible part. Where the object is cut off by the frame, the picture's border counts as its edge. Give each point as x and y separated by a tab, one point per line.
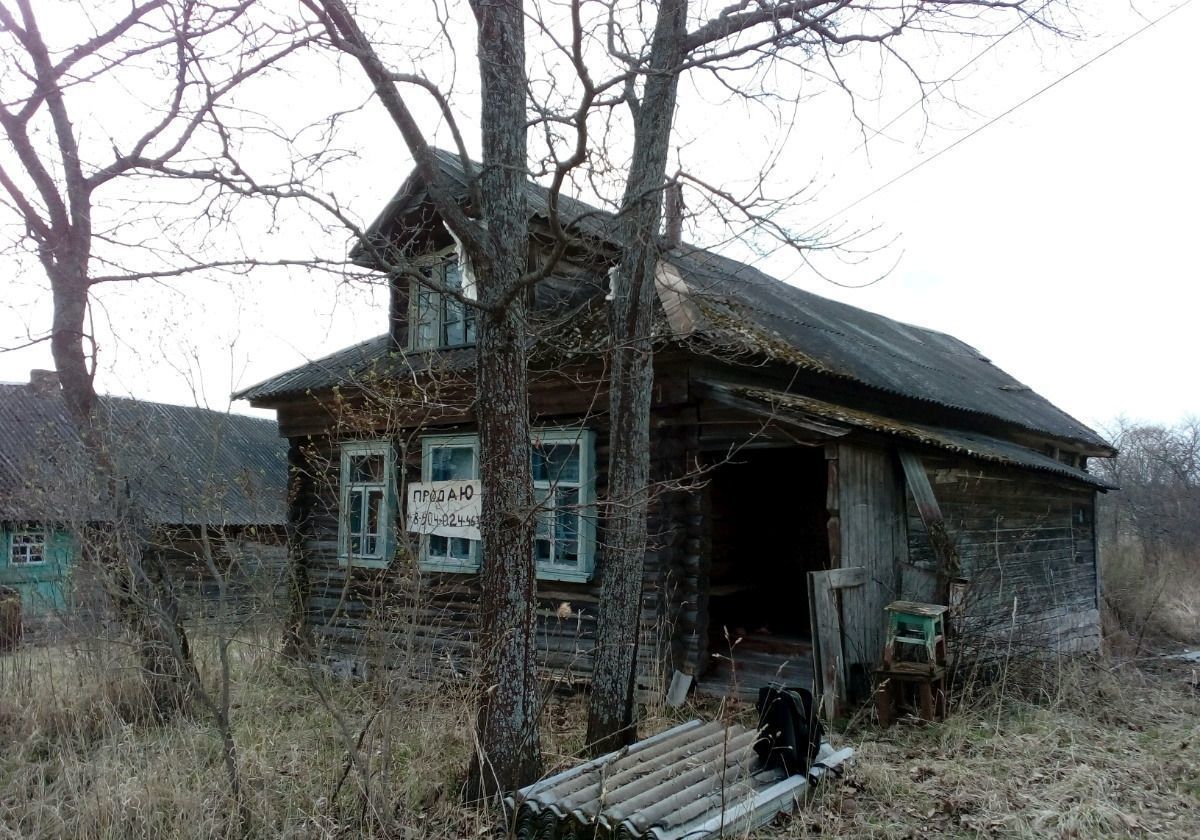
1019	544
872	527
944	549
847	577
827	642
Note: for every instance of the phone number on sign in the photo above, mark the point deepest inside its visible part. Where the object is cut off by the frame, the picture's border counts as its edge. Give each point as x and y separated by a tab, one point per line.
430	519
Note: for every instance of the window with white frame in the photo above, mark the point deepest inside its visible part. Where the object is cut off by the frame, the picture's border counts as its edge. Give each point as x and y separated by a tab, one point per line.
446	458
27	547
564	484
440	320
365	527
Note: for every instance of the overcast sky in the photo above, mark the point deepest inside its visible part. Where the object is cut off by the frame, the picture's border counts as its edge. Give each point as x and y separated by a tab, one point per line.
1057	241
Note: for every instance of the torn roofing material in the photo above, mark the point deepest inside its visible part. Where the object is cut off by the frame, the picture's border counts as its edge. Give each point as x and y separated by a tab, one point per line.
186	465
760	314
787	408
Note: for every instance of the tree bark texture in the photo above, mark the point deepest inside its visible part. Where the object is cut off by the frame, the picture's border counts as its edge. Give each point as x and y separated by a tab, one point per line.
509	753
137	578
611	712
146	603
298	636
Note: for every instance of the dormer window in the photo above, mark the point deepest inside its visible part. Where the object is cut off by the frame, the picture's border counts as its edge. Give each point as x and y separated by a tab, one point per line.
439	320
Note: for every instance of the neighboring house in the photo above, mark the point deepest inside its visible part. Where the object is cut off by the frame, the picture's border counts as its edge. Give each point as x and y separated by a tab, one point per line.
189	469
807	454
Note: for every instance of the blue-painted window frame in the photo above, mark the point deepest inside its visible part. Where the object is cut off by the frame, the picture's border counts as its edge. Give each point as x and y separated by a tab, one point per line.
385	545
585	439
429	443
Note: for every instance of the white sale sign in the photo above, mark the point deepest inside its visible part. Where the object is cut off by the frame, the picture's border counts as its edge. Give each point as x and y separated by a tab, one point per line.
445	508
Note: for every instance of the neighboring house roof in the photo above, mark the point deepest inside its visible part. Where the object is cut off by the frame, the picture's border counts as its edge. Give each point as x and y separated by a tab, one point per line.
735	303
186	466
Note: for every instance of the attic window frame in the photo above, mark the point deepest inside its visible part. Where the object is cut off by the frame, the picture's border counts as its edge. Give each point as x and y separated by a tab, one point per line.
438	262
28	548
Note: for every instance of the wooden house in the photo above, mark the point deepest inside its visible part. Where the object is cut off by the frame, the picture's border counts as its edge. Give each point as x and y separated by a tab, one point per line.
807	455
190	469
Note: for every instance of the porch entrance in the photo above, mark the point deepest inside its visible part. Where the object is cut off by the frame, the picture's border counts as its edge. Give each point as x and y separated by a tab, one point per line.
769	531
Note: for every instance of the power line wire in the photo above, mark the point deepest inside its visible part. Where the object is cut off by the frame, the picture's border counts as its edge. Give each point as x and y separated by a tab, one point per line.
953	77
997	118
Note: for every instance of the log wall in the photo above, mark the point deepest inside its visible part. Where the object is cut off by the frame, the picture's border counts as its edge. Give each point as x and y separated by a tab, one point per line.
427	623
1026	545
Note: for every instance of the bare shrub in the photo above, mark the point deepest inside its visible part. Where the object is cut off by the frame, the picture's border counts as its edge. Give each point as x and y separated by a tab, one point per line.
1150	534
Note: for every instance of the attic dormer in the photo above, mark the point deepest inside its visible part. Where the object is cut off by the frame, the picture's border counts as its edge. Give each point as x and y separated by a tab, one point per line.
436	319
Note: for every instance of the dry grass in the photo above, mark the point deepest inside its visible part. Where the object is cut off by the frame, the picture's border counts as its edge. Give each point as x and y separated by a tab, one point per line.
1153	603
84	758
1106	751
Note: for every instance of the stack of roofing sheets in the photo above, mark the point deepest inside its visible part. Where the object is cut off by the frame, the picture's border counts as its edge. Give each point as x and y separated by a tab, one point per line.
694	781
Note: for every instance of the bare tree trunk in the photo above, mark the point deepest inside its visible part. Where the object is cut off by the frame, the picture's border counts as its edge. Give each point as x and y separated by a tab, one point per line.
148	608
509	754
611	721
137	578
297	636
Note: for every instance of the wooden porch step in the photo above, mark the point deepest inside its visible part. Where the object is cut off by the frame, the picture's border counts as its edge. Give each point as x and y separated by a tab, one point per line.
743	675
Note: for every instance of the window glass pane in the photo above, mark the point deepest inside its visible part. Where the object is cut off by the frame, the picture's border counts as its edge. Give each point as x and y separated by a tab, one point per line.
454	325
545	520
438	546
566	527
28	547
366	468
374	515
452	275
427	317
460	549
356	510
556	462
449	462
541	550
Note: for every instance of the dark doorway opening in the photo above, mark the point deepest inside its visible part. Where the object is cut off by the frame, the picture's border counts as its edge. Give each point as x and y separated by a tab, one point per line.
770	529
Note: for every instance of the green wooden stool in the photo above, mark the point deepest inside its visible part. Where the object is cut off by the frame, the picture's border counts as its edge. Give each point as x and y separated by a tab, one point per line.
918	626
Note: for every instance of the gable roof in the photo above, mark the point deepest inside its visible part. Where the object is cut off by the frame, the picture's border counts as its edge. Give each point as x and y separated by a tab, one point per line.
187	466
737	303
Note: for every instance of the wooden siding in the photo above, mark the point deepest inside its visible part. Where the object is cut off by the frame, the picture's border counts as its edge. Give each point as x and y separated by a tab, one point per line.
872	535
1026	546
43	586
251	564
426	623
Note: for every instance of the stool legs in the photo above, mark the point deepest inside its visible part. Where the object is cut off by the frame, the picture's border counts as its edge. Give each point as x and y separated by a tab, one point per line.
930	696
925	687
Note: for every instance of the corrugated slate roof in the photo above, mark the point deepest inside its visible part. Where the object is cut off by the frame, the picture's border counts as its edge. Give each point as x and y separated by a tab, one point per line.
809	331
767	316
187	465
576	215
373	359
